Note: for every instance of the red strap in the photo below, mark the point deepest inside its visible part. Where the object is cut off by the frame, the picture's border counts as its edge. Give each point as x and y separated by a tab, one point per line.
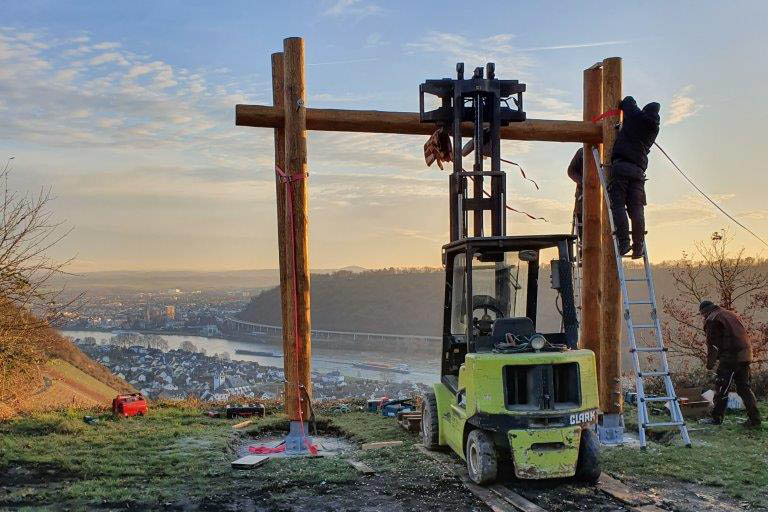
607	113
288	179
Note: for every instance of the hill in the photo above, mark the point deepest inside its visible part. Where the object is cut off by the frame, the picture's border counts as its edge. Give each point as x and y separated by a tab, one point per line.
391	301
41	369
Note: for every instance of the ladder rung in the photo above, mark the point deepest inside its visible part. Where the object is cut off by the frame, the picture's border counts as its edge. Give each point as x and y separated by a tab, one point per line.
644	326
659	398
633	302
649	349
653	374
635	279
664	424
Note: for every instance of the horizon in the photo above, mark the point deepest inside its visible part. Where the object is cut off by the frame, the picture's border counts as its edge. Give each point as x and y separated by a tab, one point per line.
130	119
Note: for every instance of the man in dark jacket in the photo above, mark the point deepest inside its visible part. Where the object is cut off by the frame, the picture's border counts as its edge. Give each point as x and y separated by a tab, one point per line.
629	161
729	345
575	172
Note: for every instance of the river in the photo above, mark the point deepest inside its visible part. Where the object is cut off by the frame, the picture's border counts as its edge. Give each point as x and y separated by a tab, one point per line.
323	360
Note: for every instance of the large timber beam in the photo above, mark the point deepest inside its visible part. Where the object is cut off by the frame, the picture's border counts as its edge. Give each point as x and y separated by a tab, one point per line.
407	123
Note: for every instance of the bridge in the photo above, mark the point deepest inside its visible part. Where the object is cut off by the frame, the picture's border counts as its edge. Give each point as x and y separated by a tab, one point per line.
242	326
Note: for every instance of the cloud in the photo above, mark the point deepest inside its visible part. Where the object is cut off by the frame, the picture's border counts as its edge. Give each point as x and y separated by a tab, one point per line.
682	106
352	8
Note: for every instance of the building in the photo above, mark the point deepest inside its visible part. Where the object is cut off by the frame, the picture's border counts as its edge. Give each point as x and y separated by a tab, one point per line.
170	312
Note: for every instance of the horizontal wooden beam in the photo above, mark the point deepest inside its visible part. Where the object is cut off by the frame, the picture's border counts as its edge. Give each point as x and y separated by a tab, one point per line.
407	123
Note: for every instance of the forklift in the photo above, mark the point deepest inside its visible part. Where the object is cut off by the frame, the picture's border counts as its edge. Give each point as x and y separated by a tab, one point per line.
511	392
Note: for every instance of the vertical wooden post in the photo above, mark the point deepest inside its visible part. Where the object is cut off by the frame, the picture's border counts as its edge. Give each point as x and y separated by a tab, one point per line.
591	255
611	399
297	354
285	295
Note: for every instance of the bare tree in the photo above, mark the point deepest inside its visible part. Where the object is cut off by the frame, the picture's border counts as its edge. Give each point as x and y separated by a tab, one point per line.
188	346
28	301
732	279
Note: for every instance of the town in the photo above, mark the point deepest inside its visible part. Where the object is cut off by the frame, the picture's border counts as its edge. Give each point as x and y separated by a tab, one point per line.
190	372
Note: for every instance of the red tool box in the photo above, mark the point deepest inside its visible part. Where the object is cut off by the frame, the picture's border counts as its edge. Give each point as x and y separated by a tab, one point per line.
129	405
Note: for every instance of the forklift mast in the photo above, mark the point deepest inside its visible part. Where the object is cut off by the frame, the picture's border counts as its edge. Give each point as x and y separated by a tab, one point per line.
477	100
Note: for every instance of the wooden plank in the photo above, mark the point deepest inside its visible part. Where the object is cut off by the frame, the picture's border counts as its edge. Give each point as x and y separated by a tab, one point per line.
648	508
591	259
407	123
515	499
250	461
611	399
242	424
491	500
622	492
297	354
381	444
361	467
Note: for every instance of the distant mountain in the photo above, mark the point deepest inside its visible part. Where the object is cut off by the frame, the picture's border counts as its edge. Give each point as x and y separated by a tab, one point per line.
161	280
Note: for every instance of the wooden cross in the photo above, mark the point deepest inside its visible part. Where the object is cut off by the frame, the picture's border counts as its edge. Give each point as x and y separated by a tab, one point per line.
290	118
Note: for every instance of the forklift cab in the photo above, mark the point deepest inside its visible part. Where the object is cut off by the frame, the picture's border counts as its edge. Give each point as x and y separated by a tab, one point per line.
492	291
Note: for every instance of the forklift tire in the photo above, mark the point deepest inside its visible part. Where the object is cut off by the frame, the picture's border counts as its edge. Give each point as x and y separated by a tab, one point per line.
588	466
481	457
429	422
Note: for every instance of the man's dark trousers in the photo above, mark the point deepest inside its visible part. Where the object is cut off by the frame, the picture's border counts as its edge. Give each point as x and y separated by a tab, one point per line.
734	373
626	190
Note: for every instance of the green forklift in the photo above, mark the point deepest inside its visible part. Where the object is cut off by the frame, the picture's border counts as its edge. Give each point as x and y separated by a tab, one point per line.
515	390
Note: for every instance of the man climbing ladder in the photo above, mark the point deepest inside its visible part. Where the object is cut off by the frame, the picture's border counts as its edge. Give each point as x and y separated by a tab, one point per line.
629	161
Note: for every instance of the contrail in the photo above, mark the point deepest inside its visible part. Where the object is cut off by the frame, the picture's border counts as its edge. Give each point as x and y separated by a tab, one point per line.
569	46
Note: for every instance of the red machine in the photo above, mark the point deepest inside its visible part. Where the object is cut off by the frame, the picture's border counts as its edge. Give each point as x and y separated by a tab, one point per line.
129	405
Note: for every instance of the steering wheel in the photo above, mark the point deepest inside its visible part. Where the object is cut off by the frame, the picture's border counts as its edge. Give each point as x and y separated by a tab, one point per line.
486	304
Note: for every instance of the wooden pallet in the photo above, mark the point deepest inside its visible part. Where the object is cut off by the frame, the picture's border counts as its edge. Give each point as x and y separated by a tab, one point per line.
410	421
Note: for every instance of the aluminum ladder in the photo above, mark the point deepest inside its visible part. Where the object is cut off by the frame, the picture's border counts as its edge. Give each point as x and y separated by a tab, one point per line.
575	231
670	397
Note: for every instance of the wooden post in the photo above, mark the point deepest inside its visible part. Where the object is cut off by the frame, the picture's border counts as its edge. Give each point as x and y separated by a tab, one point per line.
297	355
611	399
591	255
285	294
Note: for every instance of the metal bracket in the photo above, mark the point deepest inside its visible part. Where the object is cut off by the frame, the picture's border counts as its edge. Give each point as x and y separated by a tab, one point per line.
610	429
296	440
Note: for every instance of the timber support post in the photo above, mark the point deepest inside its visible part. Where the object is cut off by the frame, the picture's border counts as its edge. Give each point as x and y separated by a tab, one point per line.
297	357
592	203
611	429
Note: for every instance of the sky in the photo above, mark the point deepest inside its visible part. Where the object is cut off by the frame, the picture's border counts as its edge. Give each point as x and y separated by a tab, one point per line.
126	109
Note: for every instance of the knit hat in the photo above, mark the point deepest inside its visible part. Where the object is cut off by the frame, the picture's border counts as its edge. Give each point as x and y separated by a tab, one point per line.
706	306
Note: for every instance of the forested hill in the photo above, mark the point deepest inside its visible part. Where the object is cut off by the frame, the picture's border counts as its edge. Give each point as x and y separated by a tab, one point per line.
391	301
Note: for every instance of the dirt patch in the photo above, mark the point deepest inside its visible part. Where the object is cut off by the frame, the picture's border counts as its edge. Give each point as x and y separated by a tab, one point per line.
690	497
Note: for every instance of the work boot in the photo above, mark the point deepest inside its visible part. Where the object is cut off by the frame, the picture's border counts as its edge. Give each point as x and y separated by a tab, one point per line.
637	251
710	421
624	247
752	424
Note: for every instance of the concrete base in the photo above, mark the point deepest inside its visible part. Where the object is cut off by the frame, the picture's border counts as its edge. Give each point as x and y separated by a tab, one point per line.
610	429
296	441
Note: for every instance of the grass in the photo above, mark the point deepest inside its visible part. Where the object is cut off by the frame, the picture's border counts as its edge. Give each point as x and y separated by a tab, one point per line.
174	455
729	457
177	458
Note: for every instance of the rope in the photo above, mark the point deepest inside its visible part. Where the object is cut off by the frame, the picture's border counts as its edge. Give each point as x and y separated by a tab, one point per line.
521	171
509	207
607	113
287	180
708	198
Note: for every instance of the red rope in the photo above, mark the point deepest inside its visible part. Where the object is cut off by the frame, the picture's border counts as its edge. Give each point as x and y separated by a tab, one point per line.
607	113
288	179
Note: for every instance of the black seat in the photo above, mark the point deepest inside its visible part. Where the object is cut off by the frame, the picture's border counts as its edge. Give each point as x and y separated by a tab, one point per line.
518	325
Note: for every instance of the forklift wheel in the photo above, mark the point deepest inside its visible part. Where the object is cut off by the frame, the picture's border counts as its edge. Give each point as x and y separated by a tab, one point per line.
429	421
588	466
481	457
